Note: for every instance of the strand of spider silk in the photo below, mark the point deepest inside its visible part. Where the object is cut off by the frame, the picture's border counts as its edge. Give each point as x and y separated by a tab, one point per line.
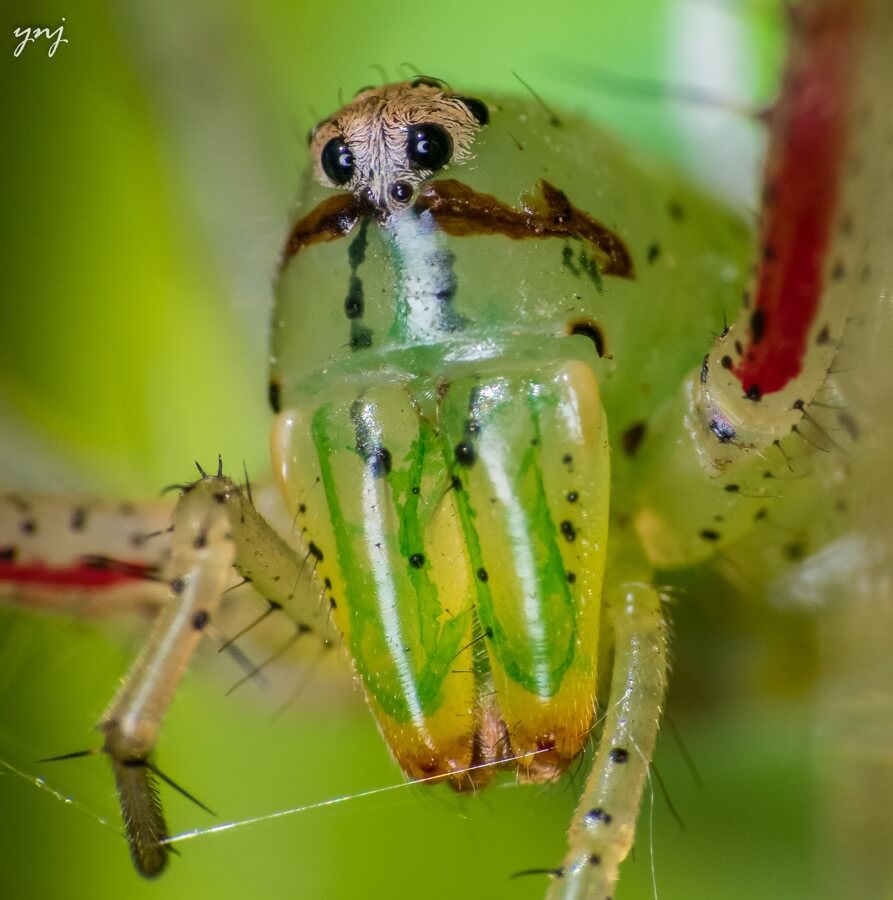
334	801
41	783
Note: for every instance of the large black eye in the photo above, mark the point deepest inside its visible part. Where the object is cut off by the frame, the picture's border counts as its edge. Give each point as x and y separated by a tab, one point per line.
429	146
337	161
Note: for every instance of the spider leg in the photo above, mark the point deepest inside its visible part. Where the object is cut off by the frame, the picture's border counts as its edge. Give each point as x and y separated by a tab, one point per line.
603	826
215	529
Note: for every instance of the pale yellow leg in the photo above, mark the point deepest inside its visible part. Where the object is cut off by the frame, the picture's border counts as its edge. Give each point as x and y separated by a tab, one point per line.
215	527
603	827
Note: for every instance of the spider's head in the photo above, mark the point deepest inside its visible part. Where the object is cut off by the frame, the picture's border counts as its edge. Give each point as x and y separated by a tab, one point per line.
389	140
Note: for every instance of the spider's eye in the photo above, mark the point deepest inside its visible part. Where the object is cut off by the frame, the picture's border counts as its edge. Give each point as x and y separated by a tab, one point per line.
429	146
477	108
337	161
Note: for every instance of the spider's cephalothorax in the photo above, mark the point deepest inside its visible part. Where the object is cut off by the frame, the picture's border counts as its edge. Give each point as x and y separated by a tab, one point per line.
386	142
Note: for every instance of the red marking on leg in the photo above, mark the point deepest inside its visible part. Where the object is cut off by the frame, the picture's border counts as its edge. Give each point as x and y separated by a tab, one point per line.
808	139
81	575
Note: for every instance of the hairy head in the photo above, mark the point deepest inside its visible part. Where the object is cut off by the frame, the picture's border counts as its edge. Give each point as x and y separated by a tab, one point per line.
389	140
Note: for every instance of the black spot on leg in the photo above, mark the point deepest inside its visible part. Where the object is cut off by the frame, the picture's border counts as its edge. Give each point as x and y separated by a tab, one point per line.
632	438
676	211
838	271
333	604
28	526
572	496
705	368
594	859
571	577
597	816
177	585
758	325
417	560
78	518
200	619
731	488
754	392
483	575
709	535
568	530
653	252
726	362
619	755
8	554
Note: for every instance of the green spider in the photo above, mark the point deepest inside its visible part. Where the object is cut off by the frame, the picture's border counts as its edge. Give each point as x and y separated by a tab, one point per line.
362	434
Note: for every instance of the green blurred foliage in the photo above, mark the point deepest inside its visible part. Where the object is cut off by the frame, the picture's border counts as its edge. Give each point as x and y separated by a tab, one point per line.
146	175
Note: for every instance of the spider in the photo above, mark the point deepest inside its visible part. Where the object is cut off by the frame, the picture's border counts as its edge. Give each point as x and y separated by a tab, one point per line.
587	249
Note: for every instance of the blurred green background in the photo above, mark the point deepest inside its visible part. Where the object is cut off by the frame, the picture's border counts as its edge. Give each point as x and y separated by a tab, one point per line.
146	177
